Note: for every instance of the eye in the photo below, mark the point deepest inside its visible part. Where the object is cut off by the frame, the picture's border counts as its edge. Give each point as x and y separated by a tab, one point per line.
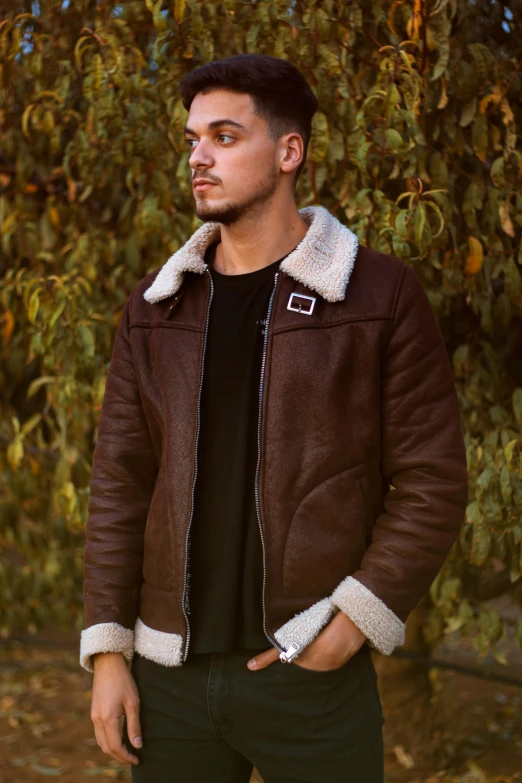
221	136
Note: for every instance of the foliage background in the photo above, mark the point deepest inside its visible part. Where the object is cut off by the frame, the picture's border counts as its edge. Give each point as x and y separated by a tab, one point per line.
416	147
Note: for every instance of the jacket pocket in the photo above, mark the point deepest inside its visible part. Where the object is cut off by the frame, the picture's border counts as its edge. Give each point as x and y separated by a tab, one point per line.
327	537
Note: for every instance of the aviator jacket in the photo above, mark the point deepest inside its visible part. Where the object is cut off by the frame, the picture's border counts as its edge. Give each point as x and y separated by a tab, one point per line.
360	484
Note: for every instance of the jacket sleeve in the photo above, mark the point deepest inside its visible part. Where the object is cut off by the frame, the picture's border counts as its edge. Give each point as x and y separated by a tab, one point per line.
423	457
124	472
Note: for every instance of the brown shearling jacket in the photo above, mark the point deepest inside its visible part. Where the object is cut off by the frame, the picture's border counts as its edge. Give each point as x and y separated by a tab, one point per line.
361	482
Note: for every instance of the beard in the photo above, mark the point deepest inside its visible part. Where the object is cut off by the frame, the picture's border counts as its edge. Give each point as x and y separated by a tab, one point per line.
231	213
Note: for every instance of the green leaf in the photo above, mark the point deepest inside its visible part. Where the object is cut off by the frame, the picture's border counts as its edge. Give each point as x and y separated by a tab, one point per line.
479	137
394	141
481	543
87	339
419	224
468	113
319	139
393	97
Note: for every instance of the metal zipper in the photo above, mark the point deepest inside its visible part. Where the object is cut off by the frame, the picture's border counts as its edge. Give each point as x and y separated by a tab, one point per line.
185	580
262	377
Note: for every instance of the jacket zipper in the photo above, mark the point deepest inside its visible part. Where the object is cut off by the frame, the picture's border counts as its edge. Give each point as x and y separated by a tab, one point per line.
262	377
186	574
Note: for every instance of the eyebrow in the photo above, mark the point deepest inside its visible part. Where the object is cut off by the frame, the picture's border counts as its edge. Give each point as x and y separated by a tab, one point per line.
217	124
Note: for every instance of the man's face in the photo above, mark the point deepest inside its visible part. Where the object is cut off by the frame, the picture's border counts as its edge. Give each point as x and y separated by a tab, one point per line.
231	148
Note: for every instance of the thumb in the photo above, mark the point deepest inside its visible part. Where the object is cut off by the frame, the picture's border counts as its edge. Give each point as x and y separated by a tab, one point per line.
133	727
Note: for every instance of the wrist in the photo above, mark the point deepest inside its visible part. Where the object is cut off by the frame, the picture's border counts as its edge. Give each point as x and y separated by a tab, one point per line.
108	657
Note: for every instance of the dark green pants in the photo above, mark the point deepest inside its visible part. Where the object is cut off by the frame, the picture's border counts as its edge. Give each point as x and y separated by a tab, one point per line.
211	720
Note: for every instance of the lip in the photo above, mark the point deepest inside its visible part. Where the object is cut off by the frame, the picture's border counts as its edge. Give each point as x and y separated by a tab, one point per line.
203	185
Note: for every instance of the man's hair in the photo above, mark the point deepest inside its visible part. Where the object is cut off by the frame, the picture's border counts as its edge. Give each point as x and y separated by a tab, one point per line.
280	93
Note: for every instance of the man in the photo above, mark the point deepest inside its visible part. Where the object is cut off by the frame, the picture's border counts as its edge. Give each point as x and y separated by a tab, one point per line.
279	472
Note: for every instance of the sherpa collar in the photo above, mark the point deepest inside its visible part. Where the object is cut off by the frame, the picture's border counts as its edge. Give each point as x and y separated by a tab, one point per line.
323	260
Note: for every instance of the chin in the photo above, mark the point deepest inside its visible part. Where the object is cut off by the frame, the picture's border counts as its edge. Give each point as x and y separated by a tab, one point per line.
224	213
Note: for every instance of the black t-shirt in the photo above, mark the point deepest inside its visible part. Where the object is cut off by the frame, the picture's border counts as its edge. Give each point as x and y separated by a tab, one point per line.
226	565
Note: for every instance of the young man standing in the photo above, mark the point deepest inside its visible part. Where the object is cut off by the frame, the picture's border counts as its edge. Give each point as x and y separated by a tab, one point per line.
279	472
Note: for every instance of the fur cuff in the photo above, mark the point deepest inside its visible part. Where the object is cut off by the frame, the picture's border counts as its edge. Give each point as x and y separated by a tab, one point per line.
105	637
304	626
381	626
159	646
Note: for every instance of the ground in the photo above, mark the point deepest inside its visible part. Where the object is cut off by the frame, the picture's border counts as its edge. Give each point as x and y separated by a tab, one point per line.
45	728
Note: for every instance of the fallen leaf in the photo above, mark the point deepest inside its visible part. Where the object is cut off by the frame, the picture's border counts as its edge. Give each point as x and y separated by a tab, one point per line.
404	758
47	770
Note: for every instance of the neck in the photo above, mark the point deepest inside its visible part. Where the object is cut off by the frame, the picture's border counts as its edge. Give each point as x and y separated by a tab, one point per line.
258	240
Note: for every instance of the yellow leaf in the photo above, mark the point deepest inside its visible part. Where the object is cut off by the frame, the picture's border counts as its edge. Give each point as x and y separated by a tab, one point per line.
507	114
414	23
34	304
443	100
475	257
15	452
486	100
54	217
48	122
31	423
86	39
505	218
7	330
25	119
9	223
51	94
179	10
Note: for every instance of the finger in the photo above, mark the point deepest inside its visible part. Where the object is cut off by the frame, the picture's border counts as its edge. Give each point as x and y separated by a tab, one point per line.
263	659
116	748
133	724
99	733
101	739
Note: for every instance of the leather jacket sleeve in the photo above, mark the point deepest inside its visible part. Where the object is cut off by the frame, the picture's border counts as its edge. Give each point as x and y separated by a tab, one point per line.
423	457
124	472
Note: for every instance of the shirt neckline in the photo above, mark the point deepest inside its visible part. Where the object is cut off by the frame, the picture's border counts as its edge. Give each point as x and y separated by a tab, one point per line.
243	277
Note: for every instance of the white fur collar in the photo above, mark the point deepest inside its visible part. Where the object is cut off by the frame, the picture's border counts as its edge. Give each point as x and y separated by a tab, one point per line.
323	260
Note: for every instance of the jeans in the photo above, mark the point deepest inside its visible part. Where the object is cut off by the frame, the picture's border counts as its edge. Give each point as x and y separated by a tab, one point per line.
211	720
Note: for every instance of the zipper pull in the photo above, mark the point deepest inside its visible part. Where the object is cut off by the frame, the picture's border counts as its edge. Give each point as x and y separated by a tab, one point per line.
288	655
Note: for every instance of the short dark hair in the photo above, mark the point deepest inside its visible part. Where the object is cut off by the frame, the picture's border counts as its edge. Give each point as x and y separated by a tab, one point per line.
280	93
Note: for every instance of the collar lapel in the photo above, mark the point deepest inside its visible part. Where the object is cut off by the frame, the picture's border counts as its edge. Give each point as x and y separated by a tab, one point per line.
323	260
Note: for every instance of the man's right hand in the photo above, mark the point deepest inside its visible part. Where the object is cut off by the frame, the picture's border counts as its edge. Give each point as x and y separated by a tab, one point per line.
114	693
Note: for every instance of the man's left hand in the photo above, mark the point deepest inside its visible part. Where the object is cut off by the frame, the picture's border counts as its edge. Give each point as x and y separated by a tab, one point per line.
330	649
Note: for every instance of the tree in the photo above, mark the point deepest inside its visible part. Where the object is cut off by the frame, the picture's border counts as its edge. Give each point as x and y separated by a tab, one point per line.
416	147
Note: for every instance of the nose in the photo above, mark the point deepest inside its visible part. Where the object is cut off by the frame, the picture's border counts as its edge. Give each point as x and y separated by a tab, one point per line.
200	158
